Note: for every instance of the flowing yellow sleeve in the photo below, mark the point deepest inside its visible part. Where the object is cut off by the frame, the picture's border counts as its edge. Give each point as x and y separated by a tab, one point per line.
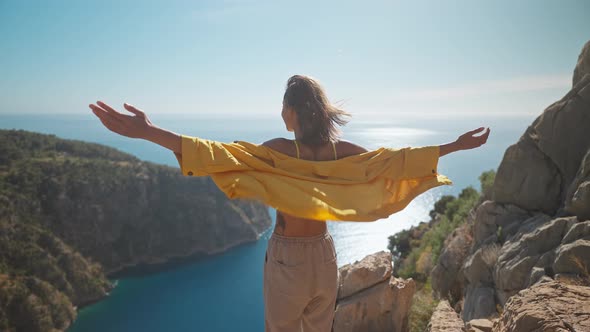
415	162
200	157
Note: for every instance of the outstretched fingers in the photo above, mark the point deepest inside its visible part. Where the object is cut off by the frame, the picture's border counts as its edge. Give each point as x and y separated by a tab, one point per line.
475	131
110	121
106	113
469	141
134	110
484	138
98	111
111	111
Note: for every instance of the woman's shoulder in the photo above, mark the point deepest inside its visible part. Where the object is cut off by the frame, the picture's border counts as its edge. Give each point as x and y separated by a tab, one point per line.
349	148
279	143
274	142
344	148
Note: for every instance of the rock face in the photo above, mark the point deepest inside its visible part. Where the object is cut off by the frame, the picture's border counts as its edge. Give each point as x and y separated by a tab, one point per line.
536	227
73	212
445	319
446	277
371	270
578	195
547	306
583	65
536	172
370	298
479	325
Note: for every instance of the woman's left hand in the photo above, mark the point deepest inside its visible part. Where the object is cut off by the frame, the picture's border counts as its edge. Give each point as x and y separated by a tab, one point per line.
468	141
127	125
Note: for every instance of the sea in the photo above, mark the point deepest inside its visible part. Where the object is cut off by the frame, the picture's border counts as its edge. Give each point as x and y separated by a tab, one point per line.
223	292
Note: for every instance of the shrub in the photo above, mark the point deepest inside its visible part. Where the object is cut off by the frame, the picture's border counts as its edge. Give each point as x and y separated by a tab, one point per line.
423	305
440	206
487	183
416	250
399	244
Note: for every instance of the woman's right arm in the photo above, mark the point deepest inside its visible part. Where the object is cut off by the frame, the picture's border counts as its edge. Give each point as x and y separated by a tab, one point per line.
165	138
138	126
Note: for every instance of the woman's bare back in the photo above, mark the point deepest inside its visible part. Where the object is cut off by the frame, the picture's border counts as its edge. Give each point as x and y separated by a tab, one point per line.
288	225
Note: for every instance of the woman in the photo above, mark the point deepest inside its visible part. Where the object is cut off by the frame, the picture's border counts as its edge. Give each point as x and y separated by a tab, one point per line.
300	270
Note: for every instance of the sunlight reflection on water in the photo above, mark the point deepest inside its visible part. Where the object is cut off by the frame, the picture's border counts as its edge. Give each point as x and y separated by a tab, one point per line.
354	240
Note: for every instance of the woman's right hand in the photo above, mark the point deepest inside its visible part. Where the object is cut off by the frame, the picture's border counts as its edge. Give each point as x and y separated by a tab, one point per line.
468	141
127	125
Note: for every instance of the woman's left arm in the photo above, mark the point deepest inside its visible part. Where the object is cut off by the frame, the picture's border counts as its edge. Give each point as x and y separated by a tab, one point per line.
465	142
137	126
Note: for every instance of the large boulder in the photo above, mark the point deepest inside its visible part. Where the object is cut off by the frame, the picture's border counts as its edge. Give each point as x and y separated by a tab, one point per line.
561	131
547	306
580	230
371	299
520	253
371	270
478	268
536	172
479	302
527	178
573	258
494	222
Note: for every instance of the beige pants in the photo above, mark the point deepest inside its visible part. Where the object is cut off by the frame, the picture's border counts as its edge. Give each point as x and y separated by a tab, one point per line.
300	283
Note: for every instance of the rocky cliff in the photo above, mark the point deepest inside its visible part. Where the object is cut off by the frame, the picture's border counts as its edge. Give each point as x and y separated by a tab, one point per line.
72	213
370	298
530	241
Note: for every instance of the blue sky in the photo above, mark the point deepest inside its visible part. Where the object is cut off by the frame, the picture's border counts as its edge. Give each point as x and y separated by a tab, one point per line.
386	58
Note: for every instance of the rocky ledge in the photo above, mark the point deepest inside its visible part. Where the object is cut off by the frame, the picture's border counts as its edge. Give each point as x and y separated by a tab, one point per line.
370	298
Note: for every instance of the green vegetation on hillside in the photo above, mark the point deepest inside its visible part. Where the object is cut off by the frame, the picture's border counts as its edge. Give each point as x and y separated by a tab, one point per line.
416	250
71	210
42	277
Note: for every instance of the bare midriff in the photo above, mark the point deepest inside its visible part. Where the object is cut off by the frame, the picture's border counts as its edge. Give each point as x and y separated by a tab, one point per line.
288	225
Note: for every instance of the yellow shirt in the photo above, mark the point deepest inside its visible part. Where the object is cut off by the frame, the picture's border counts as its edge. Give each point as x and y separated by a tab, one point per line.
363	187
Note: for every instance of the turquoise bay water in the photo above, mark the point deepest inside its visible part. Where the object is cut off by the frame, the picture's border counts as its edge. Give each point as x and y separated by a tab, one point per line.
224	292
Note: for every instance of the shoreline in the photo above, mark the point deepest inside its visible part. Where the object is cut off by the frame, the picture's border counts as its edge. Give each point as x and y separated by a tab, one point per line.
143	269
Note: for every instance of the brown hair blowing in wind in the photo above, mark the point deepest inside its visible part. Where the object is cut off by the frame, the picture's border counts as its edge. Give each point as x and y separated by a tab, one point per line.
317	117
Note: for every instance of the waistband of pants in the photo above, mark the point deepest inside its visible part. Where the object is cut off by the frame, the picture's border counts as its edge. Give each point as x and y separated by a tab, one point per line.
300	239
